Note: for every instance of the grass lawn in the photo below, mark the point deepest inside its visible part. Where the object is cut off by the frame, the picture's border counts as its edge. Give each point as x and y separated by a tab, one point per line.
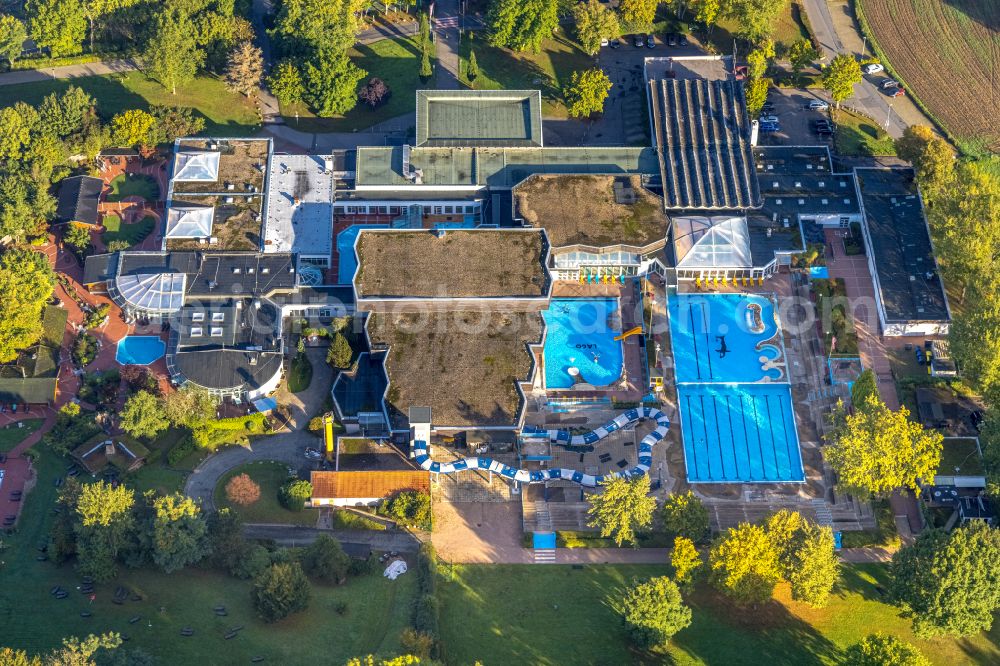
348	520
269	476
377	609
300	373
562	615
857	135
226	113
395	61
548	70
157	474
132	233
134	185
11	435
961	456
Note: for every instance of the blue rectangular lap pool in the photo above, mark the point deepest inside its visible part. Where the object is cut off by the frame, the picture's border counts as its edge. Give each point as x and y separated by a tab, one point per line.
579	339
139	350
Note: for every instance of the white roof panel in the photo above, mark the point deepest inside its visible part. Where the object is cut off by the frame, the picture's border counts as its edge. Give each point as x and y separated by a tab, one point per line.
189	221
196	166
153	292
712	242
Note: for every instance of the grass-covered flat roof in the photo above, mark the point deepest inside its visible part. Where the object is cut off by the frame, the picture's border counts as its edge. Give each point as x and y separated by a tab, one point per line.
242	164
961	454
584	210
480	263
464	365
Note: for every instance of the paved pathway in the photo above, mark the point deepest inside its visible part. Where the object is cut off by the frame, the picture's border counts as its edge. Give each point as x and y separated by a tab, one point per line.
833	23
67	72
447	28
358	541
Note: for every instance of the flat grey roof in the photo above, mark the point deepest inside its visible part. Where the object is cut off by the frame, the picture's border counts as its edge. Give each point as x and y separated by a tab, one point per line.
703	134
906	273
381	167
299	206
479	118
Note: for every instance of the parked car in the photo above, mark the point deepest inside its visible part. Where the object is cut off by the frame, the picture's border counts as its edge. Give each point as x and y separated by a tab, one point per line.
682	39
770	119
604	42
895	92
638	41
650	41
770	127
767	108
313	454
671	39
615	43
890	83
873	68
817	105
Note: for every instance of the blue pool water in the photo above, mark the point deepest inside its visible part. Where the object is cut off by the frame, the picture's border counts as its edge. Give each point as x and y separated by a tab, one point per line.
736	427
139	350
578	335
739	433
347	262
698	321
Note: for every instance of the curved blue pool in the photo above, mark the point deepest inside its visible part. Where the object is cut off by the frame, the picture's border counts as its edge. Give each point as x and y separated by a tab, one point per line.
139	350
578	335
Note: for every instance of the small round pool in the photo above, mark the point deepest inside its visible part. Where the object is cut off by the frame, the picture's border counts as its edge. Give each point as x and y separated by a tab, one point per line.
139	350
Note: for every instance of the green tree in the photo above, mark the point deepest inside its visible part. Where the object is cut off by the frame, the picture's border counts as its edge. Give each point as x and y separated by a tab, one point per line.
685	560
27	281
172	55
624	507
521	25
411	508
472	70
757	95
326	560
331	83
814	564
75	652
802	54
638	15
133	127
840	76
280	590
245	69
12	36
179	532
949	582
755	18
759	58
684	515
173	122
303	26
707	12
863	388
104	518
225	539
285	82
66	114
340	354
189	407
594	22
586	92
745	564
143	415
424	32
880	649
15	133
653	612
77	237
294	493
59	25
878	451
931	156
426	70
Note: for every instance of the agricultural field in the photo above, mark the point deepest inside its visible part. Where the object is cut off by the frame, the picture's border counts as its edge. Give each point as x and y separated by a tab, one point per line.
947	53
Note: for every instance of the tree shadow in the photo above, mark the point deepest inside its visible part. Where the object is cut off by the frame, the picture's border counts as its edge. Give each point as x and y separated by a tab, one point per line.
987	14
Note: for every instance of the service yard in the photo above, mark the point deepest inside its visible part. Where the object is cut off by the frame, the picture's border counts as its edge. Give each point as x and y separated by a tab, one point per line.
795	119
947	53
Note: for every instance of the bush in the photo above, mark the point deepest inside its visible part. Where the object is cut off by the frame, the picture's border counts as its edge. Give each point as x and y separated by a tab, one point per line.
294	493
409	507
280	590
340	352
326	560
242	490
85	350
97	316
364	567
181	450
426	614
416	643
254	560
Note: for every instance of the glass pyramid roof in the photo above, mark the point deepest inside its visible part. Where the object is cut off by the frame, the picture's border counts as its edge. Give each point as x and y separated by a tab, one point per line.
189	221
196	165
712	242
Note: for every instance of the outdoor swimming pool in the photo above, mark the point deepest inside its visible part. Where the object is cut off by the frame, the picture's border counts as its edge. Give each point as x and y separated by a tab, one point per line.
578	335
736	427
139	350
700	323
739	433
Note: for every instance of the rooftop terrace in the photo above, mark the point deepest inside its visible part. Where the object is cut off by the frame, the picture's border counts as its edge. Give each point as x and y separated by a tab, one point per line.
585	210
481	263
242	164
465	366
235	223
479	118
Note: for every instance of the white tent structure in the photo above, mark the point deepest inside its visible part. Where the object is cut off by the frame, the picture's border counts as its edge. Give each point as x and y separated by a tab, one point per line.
196	166
712	243
188	221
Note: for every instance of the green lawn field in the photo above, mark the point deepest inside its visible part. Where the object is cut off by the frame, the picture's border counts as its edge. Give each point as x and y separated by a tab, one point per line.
132	233
269	476
553	615
11	435
226	113
377	609
134	185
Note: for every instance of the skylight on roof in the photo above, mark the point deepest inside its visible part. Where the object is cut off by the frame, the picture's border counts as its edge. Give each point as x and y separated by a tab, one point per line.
153	292
189	221
196	166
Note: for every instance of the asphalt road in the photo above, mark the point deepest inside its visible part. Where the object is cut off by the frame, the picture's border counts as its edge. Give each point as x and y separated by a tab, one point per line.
357	543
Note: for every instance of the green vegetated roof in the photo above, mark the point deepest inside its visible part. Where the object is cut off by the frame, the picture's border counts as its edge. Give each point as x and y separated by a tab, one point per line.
479	118
497	168
31	390
961	453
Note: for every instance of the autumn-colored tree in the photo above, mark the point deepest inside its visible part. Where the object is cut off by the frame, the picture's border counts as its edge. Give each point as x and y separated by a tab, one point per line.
242	490
245	69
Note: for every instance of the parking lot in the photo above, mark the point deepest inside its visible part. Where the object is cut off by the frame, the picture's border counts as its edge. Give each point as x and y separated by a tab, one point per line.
796	121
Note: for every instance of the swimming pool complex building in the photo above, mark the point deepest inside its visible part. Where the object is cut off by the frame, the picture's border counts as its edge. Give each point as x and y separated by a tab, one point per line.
495	276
